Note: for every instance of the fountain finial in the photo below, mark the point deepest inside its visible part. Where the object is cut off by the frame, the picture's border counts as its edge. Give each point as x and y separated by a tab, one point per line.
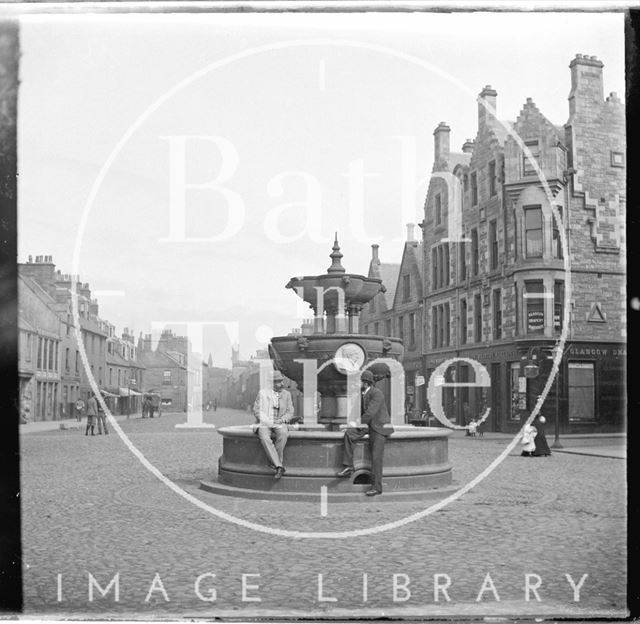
336	256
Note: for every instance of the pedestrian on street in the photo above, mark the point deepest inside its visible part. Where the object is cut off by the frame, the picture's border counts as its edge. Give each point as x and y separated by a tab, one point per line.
79	409
215	405
102	421
273	410
92	414
528	440
374	418
541	447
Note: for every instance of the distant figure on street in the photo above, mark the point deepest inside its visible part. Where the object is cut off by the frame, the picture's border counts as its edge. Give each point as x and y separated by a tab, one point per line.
145	406
528	441
472	428
215	404
540	441
273	410
79	409
92	414
102	421
374	417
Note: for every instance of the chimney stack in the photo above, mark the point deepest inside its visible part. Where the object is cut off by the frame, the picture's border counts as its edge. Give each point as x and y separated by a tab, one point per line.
410	229
467	146
441	145
487	115
374	254
586	83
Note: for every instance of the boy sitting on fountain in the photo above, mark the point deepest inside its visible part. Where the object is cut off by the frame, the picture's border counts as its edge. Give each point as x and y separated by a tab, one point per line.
273	409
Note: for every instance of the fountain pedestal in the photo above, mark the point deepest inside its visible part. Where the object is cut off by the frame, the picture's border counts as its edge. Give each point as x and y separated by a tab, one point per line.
416	459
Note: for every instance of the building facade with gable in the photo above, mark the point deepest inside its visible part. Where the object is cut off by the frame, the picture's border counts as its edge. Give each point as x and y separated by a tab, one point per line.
499	278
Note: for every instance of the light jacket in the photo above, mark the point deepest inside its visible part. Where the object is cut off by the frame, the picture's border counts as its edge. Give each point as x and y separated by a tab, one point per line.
263	407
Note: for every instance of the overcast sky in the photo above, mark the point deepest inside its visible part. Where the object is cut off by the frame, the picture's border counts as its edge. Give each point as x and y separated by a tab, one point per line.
305	121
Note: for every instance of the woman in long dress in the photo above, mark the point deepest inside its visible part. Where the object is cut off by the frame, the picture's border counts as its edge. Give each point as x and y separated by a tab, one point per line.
541	447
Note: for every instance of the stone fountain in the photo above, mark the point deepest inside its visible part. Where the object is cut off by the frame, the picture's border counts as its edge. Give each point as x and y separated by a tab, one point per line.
416	458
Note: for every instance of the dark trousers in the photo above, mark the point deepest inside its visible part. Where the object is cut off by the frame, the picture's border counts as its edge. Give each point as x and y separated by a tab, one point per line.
102	422
376	449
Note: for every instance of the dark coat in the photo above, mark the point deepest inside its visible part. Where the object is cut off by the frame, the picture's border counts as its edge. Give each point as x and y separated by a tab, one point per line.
542	447
375	413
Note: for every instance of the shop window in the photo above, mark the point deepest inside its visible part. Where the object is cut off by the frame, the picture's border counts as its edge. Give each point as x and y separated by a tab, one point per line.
533	231
581	397
534	305
558	305
518	387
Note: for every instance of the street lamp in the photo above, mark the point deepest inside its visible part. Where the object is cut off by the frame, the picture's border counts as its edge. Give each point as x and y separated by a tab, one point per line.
556	441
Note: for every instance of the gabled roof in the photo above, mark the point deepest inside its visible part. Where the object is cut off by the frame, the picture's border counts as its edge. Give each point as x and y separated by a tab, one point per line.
389	273
41	293
458	158
500	131
412	249
116	359
158	359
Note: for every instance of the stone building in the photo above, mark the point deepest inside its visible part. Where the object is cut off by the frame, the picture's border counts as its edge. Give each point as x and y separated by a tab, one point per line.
498	277
40	332
377	316
166	369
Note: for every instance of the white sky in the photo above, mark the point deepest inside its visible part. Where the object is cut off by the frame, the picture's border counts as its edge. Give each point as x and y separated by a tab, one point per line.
329	98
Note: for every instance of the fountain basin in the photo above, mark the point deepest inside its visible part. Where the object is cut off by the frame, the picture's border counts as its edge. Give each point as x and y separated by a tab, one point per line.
415	460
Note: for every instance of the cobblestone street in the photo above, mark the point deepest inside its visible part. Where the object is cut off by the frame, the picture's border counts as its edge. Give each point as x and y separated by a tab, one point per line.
90	507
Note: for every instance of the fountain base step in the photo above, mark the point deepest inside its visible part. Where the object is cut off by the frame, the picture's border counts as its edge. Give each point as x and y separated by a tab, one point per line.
415	462
355	493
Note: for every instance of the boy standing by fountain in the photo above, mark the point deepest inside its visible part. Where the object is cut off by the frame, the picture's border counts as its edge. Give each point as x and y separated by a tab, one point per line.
273	409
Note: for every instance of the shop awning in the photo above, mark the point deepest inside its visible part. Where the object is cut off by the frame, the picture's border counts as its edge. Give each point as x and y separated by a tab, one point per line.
125	392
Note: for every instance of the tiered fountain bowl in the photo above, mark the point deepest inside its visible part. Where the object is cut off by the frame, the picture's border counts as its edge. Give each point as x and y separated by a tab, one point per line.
416	461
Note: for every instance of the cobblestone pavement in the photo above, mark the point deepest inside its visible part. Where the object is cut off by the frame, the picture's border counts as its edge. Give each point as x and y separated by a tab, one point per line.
90	507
